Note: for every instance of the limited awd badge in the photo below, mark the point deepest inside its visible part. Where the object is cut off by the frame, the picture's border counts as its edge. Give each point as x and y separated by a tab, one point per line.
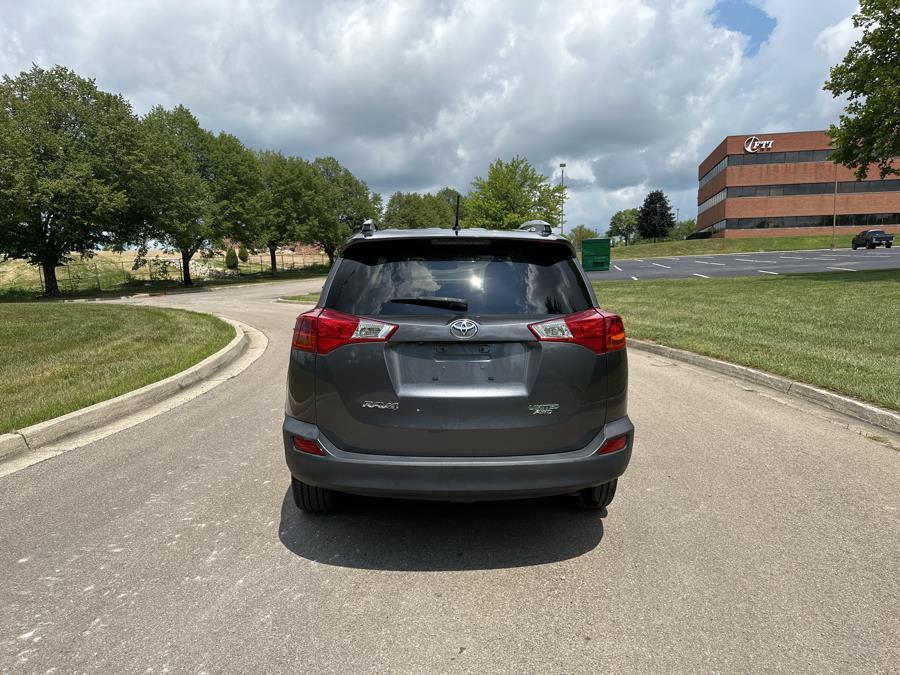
463	329
543	408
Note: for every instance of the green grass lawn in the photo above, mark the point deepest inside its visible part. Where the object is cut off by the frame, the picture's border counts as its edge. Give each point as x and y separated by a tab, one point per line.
57	358
839	331
305	297
706	246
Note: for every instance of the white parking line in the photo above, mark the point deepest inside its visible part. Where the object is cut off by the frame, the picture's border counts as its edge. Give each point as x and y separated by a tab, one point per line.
617	267
842	269
638	259
791	257
767	272
756	261
635	278
701	275
658	265
704	262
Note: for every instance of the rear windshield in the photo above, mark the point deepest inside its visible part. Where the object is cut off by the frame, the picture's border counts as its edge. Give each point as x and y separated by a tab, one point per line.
492	276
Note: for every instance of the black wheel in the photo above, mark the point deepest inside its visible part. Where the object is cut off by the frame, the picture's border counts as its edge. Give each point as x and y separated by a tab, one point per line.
598	497
854	246
888	245
310	498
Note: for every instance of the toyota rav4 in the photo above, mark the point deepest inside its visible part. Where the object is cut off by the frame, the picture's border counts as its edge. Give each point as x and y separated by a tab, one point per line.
458	365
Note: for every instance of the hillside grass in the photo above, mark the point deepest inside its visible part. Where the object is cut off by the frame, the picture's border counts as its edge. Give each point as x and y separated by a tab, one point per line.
61	357
744	245
838	330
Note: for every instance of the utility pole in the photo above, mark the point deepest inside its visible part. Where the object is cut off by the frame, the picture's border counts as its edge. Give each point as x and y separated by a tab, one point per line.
562	208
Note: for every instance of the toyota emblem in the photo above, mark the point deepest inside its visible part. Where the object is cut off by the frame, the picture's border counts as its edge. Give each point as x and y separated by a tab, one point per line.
463	329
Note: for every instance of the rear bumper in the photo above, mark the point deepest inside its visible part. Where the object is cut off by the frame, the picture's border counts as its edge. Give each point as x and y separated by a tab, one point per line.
456	479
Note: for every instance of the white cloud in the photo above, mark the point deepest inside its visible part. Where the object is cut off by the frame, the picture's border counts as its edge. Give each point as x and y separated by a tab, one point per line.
415	94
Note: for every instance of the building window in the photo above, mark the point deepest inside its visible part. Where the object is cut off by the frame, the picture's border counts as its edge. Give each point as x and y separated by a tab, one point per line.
794	189
861	220
712	201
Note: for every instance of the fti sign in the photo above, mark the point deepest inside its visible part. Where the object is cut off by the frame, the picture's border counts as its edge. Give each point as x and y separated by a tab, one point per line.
753	144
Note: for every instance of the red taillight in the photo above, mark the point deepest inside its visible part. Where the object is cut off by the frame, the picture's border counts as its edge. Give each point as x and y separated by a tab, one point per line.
308	446
613	444
323	330
596	330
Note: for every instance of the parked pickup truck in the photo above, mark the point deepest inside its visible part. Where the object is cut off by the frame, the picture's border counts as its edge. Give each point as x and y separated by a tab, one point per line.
872	239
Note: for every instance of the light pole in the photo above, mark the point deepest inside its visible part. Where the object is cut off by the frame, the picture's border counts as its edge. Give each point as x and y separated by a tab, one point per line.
834	209
562	208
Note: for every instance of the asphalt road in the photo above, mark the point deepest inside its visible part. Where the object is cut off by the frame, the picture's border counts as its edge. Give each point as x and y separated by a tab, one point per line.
749	533
750	264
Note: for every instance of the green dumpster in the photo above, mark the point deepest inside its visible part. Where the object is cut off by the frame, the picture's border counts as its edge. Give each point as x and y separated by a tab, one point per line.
595	255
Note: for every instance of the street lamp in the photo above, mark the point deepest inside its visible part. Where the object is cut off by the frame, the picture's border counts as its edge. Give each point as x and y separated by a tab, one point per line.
562	208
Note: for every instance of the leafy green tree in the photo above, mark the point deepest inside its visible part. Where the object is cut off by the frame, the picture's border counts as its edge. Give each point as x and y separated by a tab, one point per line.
869	132
234	184
450	196
683	229
343	204
579	233
183	213
512	193
243	253
655	218
624	224
231	259
69	155
407	210
291	199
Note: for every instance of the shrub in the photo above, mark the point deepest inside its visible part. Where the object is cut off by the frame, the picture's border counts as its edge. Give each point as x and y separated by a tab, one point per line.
231	259
243	253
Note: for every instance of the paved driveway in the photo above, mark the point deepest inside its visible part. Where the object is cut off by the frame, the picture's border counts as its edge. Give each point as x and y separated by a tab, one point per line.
750	264
748	534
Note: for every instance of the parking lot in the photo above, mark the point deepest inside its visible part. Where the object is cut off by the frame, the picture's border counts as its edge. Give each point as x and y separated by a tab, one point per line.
750	264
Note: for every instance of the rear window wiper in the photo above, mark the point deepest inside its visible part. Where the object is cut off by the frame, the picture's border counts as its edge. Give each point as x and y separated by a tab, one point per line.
457	304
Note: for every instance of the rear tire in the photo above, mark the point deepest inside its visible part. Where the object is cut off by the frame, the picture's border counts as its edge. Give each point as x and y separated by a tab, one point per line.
310	498
888	245
595	498
854	246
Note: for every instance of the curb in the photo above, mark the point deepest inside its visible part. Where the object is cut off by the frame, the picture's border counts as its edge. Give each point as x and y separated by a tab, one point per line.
879	417
295	302
103	413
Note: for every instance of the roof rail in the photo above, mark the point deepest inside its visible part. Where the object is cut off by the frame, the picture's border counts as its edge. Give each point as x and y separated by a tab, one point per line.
368	227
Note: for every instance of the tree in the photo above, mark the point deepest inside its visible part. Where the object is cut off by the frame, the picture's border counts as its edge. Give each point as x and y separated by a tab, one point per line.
234	184
512	193
243	253
290	200
231	259
69	154
451	196
183	213
344	203
655	217
683	229
579	233
406	210
868	132
623	224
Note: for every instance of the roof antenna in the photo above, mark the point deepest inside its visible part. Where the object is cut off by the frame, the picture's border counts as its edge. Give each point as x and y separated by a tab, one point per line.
456	224
368	227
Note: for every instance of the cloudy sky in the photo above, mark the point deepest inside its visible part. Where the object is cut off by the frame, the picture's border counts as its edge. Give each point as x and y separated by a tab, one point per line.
418	94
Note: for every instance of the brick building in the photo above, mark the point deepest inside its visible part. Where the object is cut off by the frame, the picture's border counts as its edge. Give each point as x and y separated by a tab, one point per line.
785	184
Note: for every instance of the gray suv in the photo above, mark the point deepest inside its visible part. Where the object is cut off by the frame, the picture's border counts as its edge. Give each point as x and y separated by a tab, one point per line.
454	365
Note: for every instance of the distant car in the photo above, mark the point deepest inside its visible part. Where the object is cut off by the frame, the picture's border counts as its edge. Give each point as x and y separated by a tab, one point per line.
872	239
460	365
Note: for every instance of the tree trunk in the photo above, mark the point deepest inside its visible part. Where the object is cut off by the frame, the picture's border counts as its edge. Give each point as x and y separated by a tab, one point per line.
272	258
51	285
186	256
329	251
